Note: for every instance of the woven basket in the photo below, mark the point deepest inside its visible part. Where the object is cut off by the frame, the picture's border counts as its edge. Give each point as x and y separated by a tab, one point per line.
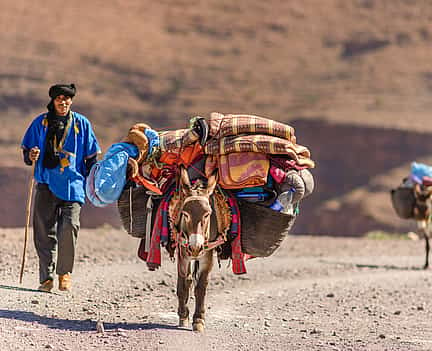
403	201
139	211
262	229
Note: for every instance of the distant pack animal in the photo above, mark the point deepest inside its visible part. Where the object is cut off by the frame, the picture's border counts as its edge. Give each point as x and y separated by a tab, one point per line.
422	214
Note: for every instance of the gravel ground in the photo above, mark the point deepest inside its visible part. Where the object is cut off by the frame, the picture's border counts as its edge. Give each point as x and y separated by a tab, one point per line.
314	293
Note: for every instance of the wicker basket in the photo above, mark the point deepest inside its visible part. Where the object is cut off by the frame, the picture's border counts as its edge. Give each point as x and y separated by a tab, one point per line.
403	201
137	227
262	229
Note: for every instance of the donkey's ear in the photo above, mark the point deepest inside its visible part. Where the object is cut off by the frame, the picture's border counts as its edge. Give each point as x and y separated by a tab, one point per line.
184	179
212	182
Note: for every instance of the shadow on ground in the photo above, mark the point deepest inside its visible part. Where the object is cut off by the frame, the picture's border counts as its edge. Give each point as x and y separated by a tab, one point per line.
79	325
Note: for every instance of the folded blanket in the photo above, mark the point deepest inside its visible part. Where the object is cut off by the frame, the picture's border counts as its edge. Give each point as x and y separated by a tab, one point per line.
228	125
260	143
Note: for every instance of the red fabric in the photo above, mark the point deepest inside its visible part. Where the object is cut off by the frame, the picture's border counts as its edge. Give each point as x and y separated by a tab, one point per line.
427	181
139	179
237	256
153	258
141	250
278	174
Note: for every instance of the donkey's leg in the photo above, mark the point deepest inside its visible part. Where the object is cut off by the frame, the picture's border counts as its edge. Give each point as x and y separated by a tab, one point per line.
206	265
184	282
426	236
423	228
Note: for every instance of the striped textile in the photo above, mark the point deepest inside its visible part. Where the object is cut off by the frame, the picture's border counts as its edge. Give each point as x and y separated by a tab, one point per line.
161	232
259	143
226	125
176	139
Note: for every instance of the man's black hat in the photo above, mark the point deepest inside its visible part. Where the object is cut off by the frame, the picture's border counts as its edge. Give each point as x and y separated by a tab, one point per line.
62	89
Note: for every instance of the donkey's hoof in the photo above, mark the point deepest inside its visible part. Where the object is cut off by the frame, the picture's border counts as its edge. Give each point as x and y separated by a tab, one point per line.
198	326
183	322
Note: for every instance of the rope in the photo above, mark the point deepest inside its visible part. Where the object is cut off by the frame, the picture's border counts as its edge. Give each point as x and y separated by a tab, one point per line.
149	207
130	211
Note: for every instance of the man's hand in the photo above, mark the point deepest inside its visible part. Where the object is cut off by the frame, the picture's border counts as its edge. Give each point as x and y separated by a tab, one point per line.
34	154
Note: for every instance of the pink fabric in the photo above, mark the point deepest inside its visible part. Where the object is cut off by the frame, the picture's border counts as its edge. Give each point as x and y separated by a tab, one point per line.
286	164
427	181
277	174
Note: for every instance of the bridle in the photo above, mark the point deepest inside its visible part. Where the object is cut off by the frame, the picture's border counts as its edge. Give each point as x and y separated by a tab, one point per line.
183	239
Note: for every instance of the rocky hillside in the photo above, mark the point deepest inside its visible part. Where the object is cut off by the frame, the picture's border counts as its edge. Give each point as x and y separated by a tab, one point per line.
354	77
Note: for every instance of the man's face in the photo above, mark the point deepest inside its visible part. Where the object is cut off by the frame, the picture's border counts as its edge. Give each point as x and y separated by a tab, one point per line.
62	105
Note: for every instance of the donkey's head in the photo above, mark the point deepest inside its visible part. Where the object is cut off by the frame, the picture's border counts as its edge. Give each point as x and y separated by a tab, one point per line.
423	202
193	221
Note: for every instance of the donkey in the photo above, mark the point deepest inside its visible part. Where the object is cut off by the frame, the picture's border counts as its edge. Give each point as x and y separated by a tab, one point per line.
197	239
422	214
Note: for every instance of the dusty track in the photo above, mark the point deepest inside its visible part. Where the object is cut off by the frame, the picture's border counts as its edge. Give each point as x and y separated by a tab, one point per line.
315	293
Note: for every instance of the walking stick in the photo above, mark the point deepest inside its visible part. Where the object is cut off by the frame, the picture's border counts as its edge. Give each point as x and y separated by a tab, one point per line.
28	210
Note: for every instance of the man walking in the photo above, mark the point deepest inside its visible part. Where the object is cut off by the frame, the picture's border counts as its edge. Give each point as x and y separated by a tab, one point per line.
63	145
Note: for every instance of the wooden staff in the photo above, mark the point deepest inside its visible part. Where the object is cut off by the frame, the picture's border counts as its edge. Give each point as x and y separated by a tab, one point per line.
28	211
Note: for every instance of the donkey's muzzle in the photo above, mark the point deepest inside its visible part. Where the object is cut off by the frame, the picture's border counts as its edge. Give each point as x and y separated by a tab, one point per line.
196	244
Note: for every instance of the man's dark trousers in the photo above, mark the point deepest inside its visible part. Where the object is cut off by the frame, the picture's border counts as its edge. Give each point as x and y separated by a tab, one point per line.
55	225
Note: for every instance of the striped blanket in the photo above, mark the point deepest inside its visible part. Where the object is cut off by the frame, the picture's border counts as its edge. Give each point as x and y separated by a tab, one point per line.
177	139
259	143
226	125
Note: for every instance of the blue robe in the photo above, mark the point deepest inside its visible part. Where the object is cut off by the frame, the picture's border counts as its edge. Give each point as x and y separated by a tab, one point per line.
67	180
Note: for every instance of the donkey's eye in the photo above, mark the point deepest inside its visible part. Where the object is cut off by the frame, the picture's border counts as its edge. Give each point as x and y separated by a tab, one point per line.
207	215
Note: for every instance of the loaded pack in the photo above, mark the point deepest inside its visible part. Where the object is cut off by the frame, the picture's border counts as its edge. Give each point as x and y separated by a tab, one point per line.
263	175
403	197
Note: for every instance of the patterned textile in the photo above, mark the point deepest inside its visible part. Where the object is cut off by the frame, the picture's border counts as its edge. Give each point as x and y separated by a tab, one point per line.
160	234
237	256
162	172
259	143
226	125
243	169
285	164
177	139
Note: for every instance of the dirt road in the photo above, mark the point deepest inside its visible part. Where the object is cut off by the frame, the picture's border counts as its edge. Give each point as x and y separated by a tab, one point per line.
314	293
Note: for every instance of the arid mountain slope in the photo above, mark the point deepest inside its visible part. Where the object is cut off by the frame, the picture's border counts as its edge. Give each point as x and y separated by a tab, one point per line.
353	77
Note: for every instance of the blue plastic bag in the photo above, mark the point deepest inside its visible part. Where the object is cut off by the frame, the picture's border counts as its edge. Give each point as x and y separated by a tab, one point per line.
420	170
107	177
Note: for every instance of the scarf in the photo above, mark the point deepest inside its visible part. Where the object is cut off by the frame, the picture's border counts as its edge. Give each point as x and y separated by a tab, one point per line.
56	129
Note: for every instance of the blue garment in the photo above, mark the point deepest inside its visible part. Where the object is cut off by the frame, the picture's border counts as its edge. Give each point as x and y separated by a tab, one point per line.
107	177
67	180
420	170
153	140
